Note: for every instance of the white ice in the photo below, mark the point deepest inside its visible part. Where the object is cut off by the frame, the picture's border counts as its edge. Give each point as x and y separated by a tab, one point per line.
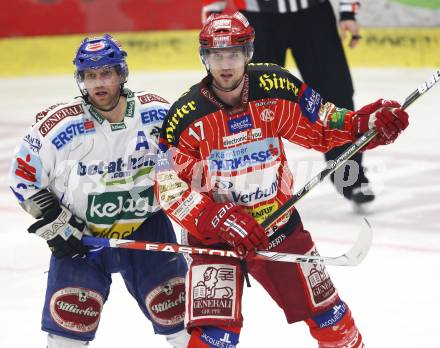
394	294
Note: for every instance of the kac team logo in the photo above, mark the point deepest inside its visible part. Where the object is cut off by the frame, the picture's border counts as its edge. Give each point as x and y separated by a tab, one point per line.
267	115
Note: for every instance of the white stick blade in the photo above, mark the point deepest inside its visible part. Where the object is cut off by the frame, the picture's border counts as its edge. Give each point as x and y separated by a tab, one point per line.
358	252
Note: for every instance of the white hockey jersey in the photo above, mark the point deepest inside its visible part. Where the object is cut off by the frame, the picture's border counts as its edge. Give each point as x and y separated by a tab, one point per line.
102	172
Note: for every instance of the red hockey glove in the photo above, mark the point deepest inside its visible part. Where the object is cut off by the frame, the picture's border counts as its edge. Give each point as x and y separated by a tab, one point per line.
231	224
385	116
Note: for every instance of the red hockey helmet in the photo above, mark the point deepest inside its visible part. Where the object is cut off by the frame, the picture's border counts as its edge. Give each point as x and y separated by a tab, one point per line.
226	30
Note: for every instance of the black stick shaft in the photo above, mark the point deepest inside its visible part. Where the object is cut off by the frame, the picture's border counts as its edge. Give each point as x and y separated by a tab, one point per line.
332	166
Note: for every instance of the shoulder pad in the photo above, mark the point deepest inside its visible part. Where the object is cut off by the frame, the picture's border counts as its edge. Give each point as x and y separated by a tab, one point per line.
57	114
265	67
272	81
43	113
145	98
187	109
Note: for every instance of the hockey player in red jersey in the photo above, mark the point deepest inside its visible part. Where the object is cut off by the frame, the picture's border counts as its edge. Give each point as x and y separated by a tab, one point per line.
223	170
283	26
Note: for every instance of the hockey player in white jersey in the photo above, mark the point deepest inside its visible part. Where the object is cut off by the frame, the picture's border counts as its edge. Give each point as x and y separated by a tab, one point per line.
87	167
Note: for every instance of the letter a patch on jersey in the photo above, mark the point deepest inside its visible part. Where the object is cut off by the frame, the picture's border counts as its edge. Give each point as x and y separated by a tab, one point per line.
142	141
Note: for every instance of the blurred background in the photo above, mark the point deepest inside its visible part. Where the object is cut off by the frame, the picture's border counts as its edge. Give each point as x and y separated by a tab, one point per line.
39	37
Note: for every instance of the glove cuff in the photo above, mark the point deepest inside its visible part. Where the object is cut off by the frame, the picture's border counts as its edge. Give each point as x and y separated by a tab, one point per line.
212	219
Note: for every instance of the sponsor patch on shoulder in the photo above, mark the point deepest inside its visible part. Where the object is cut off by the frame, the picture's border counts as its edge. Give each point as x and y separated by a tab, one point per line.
27	166
52	120
310	104
153	114
150	97
33	142
43	113
71	130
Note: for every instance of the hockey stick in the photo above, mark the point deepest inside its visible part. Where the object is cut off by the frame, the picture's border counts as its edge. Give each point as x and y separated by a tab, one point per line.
345	156
352	257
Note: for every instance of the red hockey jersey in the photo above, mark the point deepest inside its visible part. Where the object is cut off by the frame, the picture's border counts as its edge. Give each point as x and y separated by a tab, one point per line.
212	152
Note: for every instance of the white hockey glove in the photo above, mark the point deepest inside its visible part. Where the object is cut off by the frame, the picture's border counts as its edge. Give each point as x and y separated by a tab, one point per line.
57	225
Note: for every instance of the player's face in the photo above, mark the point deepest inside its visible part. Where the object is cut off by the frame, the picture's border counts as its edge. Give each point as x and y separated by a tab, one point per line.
227	65
103	86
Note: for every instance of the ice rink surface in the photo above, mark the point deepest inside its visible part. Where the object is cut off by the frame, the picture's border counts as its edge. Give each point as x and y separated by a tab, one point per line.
394	294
